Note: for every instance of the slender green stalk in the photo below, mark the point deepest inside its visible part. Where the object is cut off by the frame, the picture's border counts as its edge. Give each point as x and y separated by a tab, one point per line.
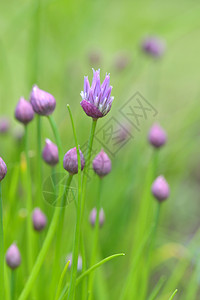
172	296
29	204
57	137
96	238
1	248
84	284
12	285
39	158
78	219
157	289
61	280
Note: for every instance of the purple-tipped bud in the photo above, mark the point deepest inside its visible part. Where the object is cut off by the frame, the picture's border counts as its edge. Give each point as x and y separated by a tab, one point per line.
154	46
160	189
50	153
39	219
24	112
102	164
70	162
13	257
42	102
93	216
79	264
4	125
157	136
3	169
97	100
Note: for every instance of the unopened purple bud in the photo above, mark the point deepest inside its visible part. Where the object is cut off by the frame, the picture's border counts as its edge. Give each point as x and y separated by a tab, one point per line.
157	136
93	216
39	219
42	102
70	162
102	164
160	189
154	46
79	264
13	257
4	125
50	153
3	169
24	112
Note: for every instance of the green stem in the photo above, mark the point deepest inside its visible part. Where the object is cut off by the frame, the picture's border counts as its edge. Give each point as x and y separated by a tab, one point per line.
1	248
39	158
57	137
60	283
96	238
12	285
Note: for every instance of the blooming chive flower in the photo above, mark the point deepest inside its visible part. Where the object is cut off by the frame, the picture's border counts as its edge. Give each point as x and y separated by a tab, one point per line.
70	162
157	136
42	102
24	112
4	125
79	264
102	164
39	219
13	257
160	189
50	153
3	169
93	216
97	99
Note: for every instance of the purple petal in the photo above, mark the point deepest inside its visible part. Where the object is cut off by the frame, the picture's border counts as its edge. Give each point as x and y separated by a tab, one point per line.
91	110
97	88
86	85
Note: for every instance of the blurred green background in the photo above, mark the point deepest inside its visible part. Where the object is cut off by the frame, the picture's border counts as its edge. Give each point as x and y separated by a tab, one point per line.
54	44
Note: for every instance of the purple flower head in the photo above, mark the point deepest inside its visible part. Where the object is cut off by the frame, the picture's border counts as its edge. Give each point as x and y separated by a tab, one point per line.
42	102
102	164
3	169
50	153
154	46
93	215
97	99
39	219
70	162
79	264
13	257
157	136
160	189
24	112
4	125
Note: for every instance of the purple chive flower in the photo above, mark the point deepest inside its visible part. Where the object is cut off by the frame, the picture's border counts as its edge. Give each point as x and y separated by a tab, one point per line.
39	219
93	215
79	264
97	99
160	189
24	112
3	169
42	102
4	125
13	257
157	136
70	162
50	153
102	164
154	46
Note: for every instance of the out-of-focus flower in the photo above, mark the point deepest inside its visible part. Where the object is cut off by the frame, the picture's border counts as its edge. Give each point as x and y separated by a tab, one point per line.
4	125
121	61
93	215
50	153
102	164
3	169
70	162
79	264
39	219
157	136
13	257
18	133
94	57
97	100
160	189
154	46
42	102
24	112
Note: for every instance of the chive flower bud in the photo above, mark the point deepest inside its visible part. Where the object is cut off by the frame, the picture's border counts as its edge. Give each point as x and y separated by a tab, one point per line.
96	100
160	189
24	112
154	46
39	219
93	215
79	263
3	169
102	164
42	102
70	162
50	153
13	257
4	125
157	136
